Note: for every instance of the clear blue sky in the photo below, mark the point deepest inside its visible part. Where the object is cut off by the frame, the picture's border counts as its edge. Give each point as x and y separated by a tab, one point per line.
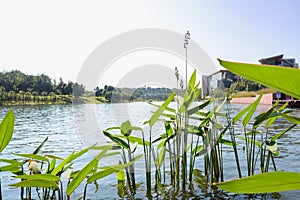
56	37
244	30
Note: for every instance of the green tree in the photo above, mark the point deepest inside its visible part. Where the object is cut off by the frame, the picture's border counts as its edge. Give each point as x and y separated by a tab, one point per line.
52	97
27	96
21	95
44	94
11	96
35	95
78	90
2	94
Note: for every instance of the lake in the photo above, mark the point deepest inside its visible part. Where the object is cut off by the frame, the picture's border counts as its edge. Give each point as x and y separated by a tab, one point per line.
74	127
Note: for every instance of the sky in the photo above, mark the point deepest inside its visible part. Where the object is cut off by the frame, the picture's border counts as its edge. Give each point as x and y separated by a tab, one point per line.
57	37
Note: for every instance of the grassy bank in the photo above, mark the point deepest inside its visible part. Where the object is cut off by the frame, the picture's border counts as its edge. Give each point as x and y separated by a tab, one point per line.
57	100
242	94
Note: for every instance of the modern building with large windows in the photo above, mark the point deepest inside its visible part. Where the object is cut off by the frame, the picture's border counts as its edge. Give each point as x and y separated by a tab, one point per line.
221	79
280	61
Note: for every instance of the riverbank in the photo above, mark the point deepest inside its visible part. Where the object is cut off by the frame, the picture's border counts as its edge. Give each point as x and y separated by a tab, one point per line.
58	100
65	100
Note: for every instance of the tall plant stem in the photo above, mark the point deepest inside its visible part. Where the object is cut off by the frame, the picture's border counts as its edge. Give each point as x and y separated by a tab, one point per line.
220	157
61	190
233	141
145	155
126	170
253	135
131	167
273	161
148	172
247	152
186	68
171	161
184	150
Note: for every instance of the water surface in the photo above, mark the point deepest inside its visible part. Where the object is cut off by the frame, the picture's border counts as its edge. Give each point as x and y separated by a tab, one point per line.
74	127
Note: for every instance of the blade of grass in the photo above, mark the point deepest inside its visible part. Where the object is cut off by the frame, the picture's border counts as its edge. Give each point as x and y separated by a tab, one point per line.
6	129
40	146
83	173
263	183
35	183
160	110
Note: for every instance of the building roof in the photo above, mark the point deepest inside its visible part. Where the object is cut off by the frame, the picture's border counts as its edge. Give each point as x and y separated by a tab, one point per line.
275	60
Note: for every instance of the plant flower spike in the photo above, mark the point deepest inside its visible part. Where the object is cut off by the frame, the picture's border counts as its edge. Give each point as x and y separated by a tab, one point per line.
34	167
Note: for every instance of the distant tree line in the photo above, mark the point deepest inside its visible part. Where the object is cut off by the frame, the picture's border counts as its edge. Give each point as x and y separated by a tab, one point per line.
17	86
114	95
246	85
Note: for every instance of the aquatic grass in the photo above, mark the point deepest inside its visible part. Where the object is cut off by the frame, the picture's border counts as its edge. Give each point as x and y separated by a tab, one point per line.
126	129
49	179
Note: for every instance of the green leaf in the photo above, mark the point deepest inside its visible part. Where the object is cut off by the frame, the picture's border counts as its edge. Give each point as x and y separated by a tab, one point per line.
121	174
51	165
197	149
80	153
241	114
295	120
40	146
227	142
217	125
111	146
117	140
200	107
275	137
32	156
48	177
160	110
268	75
273	118
134	139
53	157
11	168
160	157
110	170
126	128
35	183
9	161
221	106
83	173
192	81
191	94
257	143
264	116
263	183
61	165
6	129
167	108
251	111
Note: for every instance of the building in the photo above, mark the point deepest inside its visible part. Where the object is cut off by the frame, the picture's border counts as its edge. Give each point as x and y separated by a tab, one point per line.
224	79
280	61
221	79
